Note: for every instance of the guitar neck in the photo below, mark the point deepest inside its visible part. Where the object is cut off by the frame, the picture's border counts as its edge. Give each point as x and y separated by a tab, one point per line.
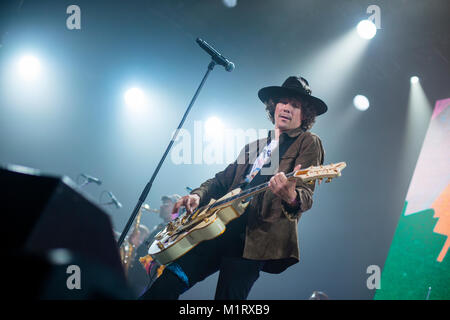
309	174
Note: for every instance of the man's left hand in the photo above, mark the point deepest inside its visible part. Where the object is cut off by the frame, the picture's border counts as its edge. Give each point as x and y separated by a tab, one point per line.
284	188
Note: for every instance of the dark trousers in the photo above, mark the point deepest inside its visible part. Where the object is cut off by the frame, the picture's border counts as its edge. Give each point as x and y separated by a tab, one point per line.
224	254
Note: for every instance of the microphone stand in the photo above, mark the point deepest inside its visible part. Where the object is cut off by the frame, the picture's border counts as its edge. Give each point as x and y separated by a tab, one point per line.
150	183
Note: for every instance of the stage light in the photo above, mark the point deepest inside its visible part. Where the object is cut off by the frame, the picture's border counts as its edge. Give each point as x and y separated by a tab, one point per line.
214	128
418	117
361	102
230	3
414	79
366	29
341	58
134	98
29	67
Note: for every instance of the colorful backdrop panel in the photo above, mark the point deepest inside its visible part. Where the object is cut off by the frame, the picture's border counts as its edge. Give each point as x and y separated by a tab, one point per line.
418	263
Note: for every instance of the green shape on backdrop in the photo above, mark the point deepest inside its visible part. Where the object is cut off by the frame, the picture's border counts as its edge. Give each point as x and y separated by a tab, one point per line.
411	267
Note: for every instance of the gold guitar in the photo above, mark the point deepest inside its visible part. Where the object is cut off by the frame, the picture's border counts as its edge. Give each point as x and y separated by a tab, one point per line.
208	222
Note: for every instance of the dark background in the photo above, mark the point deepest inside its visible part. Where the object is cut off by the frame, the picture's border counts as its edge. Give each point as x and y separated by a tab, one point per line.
74	119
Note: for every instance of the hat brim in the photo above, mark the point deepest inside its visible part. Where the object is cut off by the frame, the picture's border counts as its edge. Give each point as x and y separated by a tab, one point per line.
281	92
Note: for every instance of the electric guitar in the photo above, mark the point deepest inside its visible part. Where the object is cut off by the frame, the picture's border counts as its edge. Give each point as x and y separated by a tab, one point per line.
208	222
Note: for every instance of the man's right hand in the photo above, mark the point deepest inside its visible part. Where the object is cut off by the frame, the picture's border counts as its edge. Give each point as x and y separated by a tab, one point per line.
190	202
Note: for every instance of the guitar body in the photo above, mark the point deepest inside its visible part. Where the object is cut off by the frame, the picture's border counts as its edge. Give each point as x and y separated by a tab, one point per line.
182	235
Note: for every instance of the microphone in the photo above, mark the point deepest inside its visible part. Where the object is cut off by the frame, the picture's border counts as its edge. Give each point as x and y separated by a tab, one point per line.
91	179
215	55
114	200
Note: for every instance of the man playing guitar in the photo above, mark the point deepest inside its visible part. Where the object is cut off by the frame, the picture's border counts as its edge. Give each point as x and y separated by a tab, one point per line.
265	237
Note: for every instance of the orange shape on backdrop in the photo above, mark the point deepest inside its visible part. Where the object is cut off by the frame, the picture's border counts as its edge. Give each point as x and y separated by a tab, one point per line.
441	208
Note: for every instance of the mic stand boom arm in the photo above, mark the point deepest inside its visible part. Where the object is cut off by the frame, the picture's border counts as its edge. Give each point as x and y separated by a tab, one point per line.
150	183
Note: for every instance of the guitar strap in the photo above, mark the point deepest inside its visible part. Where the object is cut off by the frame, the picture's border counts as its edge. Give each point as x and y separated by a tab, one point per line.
262	159
258	178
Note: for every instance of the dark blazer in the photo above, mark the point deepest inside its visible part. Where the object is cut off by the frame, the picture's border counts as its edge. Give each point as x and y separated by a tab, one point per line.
271	232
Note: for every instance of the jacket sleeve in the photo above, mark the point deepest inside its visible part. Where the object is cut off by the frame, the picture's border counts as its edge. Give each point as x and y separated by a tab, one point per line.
216	187
311	154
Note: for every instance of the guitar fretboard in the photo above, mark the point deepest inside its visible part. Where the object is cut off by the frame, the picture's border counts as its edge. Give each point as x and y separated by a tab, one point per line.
247	192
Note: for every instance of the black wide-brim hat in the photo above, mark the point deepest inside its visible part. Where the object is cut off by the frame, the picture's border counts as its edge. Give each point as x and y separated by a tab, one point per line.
291	88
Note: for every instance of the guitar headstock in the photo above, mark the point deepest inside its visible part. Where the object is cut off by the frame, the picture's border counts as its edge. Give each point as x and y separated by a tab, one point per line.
328	172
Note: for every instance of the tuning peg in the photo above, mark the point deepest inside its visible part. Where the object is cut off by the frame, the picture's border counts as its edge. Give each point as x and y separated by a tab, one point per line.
328	180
